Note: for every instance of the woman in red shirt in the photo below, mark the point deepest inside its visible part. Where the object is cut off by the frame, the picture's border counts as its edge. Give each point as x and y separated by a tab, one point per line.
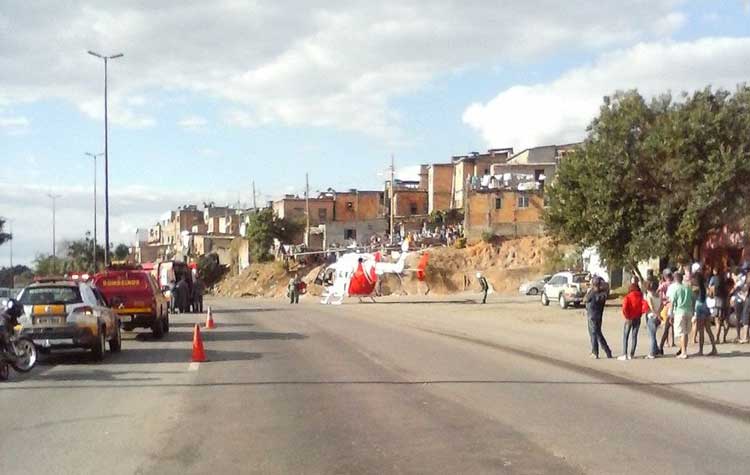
632	309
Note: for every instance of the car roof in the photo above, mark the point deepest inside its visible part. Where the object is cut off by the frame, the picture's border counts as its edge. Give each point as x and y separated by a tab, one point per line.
54	283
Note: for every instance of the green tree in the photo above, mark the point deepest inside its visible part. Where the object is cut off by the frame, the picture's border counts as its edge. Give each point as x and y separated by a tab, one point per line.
651	180
263	227
4	237
122	251
210	270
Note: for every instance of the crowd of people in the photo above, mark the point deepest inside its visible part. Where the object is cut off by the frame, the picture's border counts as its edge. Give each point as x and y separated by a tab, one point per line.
685	303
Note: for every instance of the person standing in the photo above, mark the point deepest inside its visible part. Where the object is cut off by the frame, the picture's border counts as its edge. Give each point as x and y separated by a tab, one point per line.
199	288
632	309
702	313
484	285
293	289
595	299
719	290
681	297
653	311
183	295
666	315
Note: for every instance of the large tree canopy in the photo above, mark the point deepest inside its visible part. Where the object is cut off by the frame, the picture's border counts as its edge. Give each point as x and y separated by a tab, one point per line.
652	180
3	235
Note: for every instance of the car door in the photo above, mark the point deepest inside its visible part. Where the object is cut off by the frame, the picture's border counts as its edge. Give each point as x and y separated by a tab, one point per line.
106	314
553	286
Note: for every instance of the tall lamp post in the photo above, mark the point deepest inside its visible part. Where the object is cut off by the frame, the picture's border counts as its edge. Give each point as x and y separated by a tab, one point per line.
10	244
54	250
94	156
106	156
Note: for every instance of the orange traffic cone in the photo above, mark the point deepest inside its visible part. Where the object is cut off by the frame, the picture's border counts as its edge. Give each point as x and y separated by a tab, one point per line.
199	355
210	319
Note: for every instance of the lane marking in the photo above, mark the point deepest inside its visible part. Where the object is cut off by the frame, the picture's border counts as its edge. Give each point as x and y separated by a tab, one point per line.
194	366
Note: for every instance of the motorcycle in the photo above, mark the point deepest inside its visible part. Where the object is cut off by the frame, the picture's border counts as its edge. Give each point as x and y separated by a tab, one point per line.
21	356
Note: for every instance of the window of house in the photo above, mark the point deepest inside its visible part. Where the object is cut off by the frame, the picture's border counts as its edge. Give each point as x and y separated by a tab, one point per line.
322	214
349	205
350	234
498	202
413	208
486	171
523	201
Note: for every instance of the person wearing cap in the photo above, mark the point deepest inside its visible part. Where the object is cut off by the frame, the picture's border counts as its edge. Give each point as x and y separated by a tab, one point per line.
484	285
595	299
681	298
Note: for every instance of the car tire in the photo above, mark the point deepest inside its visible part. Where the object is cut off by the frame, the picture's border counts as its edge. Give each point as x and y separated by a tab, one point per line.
545	299
115	344
533	291
4	371
563	302
157	328
97	351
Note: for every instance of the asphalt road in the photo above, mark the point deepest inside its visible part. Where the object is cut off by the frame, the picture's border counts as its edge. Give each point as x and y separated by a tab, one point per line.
418	387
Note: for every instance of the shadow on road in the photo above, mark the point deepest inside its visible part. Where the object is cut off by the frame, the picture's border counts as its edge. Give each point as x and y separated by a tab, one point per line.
219	335
224	325
220	311
143	356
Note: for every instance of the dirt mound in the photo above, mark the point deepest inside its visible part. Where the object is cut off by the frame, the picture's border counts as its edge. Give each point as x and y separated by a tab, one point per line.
505	265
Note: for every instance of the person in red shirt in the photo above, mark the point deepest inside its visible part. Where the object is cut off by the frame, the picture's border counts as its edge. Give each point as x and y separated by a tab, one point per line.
632	309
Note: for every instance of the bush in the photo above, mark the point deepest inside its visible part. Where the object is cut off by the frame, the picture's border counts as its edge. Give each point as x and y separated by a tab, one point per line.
488	236
210	270
460	243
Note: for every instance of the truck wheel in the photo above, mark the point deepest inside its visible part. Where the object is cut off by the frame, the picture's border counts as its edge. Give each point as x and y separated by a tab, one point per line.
157	328
115	344
97	351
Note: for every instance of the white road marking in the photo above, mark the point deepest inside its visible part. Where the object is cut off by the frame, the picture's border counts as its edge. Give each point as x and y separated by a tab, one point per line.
194	366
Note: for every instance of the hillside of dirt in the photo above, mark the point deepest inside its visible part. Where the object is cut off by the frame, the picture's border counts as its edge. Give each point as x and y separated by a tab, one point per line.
505	264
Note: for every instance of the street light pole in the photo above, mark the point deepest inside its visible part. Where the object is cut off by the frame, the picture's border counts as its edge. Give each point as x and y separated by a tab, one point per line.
106	156
12	271
54	250
94	156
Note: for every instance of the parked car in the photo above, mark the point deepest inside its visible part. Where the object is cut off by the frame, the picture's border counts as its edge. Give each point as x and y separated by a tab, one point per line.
136	298
69	314
566	288
534	287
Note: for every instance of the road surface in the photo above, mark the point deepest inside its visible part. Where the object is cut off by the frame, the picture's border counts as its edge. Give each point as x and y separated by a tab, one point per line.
430	386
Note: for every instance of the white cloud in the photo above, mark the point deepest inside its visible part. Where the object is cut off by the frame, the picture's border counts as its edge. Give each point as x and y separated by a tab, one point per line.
130	207
331	64
559	111
14	125
192	122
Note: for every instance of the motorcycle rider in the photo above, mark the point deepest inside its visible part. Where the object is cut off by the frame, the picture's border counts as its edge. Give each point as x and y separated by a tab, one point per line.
8	320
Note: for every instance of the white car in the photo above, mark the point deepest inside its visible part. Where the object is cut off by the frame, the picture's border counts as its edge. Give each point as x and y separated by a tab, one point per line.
69	314
566	288
534	287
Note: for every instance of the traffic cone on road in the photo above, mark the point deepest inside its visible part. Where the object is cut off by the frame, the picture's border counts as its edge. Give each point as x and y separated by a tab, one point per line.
210	319
199	355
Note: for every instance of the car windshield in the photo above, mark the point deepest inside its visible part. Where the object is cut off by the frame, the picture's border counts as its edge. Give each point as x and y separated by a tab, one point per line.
60	295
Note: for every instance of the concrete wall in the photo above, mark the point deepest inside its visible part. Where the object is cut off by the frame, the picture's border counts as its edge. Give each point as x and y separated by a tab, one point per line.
358	206
509	219
294	209
403	201
334	234
439	185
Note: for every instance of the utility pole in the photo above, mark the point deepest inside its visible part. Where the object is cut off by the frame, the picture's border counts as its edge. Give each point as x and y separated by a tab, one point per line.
307	210
255	207
54	250
12	271
94	156
106	156
392	210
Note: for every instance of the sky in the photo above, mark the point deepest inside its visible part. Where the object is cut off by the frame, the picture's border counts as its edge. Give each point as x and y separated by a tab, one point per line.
211	96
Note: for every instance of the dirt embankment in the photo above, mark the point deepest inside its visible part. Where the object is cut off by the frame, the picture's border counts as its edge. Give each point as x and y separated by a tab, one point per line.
505	265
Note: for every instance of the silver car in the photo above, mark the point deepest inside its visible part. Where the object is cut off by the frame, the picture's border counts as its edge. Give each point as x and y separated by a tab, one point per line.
534	287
